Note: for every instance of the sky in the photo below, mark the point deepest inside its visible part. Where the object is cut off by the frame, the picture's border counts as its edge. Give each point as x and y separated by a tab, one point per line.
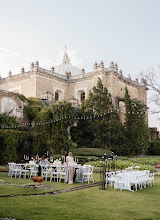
125	31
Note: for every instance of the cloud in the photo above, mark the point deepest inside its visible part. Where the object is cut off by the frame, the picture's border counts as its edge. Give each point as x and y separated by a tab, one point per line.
10	52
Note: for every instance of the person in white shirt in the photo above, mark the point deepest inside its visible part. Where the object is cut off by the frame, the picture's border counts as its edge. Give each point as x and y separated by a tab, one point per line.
43	161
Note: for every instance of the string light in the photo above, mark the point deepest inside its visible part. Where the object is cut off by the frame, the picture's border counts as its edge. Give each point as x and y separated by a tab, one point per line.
63	118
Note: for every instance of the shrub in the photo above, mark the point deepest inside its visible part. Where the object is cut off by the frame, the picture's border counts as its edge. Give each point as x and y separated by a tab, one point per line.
154	148
85	159
98	152
122	164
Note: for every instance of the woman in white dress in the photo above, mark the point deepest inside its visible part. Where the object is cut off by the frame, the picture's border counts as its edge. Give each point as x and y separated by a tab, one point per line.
70	168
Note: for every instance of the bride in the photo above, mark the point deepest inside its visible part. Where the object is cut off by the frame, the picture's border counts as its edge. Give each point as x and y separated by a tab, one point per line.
70	168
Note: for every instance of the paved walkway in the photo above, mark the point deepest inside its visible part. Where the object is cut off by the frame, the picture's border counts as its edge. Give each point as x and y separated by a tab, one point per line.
56	191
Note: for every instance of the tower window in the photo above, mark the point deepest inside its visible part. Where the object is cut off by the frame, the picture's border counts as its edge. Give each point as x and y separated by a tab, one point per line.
82	97
56	96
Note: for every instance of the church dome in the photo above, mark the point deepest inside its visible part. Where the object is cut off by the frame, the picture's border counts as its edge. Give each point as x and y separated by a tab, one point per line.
67	67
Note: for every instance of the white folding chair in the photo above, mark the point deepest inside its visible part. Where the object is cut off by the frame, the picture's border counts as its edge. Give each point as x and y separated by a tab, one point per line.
16	170
63	174
54	174
87	173
33	170
46	171
151	179
145	178
11	167
110	178
136	181
118	182
24	171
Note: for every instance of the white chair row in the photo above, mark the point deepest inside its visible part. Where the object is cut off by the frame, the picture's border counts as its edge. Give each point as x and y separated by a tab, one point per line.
130	180
54	173
48	172
22	170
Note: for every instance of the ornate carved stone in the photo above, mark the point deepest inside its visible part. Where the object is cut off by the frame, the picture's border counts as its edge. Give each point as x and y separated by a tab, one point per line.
129	76
52	69
22	70
9	74
37	64
111	66
31	67
101	65
95	65
116	67
120	72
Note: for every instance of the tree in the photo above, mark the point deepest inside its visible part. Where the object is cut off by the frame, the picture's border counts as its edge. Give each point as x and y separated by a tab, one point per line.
33	107
7	121
136	128
54	127
151	78
101	127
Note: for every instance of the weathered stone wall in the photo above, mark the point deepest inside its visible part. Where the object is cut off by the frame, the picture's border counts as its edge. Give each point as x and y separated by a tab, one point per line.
22	83
10	103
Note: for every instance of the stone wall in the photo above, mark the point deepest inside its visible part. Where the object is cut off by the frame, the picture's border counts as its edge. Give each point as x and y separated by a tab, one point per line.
10	103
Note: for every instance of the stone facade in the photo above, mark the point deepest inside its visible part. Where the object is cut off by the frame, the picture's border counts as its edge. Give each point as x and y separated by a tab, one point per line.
10	103
155	135
38	82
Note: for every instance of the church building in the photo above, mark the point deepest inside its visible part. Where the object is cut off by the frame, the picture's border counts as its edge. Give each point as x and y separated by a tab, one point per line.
67	82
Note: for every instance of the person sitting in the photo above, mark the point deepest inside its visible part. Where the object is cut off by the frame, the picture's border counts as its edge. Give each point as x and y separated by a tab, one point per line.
70	168
43	162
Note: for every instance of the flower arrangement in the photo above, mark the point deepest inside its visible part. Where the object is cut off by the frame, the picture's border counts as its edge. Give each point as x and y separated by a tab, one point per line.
57	163
31	162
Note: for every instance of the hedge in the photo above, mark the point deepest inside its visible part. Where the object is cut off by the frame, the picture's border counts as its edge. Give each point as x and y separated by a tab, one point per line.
98	152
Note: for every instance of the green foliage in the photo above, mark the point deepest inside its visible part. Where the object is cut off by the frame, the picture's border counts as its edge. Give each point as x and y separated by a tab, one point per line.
145	163
7	121
102	129
10	145
33	108
150	160
154	148
98	129
99	100
136	128
98	152
22	97
54	132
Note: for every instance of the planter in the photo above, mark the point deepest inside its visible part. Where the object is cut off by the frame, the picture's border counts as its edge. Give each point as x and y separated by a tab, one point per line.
157	166
38	179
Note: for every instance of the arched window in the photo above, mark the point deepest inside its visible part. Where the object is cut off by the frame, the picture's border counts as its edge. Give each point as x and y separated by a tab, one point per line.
56	96
82	97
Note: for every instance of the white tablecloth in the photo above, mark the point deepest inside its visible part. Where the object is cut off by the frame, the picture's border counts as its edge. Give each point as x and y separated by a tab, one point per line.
127	178
79	171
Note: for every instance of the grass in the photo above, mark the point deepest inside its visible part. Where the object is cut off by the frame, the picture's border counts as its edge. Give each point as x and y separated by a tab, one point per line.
14	186
90	204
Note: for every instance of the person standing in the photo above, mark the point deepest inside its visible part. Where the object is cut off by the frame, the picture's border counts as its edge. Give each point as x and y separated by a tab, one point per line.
70	168
66	154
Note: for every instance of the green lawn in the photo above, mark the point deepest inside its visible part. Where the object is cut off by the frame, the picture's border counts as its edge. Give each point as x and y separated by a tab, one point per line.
90	203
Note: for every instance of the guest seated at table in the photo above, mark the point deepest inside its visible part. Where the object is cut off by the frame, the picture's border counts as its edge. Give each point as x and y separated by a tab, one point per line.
70	168
43	161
